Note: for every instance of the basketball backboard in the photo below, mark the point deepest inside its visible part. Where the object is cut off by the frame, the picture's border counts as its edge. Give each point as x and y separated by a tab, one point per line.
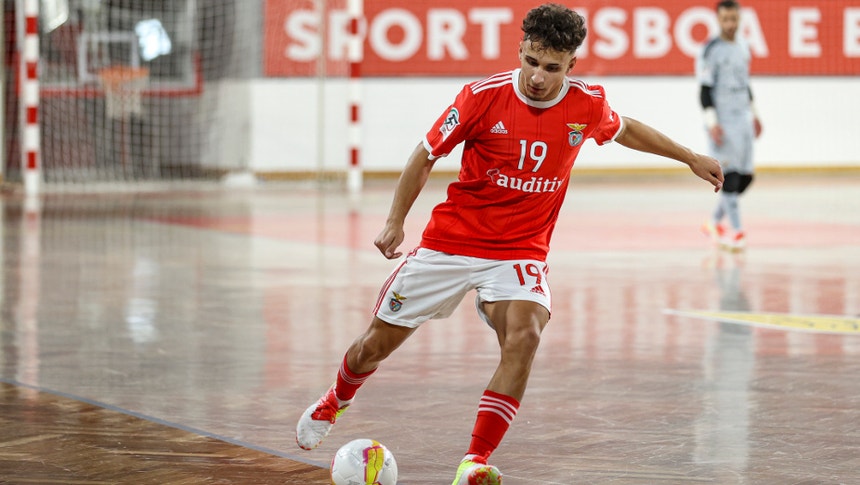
88	36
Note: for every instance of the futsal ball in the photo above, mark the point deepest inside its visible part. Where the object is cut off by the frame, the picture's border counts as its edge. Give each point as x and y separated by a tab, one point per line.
363	462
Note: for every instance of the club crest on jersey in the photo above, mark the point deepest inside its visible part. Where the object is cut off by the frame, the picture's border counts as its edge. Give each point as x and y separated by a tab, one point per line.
574	137
396	303
451	122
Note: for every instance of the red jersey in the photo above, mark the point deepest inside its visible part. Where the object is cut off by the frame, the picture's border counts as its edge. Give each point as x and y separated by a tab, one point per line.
516	165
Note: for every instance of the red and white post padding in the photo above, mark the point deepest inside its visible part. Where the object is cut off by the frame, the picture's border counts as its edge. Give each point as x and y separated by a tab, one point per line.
31	166
355	10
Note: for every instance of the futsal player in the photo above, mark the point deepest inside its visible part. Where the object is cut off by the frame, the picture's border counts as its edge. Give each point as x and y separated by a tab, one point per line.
731	121
522	131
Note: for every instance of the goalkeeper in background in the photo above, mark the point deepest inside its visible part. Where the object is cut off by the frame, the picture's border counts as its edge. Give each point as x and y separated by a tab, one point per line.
723	70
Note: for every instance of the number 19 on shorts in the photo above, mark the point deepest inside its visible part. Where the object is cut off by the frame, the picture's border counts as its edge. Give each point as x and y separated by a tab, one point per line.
529	271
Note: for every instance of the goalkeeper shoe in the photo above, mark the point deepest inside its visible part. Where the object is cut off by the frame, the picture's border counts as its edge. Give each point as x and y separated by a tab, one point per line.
317	420
474	470
737	242
714	231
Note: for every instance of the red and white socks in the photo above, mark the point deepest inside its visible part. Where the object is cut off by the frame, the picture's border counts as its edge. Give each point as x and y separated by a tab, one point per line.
496	412
348	383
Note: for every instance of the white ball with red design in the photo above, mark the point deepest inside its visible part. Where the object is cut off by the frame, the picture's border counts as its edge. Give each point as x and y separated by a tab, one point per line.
363	462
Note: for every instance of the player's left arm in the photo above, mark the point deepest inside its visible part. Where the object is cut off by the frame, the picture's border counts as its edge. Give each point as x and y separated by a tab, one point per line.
639	136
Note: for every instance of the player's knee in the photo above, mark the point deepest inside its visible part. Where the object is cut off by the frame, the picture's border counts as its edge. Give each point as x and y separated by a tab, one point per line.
376	344
731	182
523	340
369	352
745	181
736	182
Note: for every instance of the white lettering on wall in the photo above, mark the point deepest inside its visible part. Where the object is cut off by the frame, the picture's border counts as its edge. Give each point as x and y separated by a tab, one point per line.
412	34
397	34
582	52
612	41
302	26
851	32
445	30
651	32
490	19
687	22
340	36
803	32
651	38
751	31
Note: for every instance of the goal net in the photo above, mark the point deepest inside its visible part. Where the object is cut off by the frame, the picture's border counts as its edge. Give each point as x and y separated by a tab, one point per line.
135	91
163	90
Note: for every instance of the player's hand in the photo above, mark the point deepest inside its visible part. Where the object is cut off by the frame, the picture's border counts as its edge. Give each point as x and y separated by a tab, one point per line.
389	239
757	127
708	169
716	133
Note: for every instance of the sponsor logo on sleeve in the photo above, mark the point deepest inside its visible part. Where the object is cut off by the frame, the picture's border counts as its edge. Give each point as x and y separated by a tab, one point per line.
451	122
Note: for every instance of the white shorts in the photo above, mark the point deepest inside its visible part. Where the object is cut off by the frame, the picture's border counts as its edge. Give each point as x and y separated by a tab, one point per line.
430	284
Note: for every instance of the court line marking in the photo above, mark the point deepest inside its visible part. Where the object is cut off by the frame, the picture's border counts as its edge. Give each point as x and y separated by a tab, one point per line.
170	424
835	324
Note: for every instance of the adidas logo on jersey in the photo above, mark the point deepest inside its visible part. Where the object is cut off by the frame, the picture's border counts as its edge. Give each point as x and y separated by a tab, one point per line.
499	129
537	289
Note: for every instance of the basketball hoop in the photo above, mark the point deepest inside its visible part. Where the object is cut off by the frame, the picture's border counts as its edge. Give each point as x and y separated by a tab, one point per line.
123	86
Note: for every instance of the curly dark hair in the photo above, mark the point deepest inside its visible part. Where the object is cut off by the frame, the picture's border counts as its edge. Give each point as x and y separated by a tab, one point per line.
555	27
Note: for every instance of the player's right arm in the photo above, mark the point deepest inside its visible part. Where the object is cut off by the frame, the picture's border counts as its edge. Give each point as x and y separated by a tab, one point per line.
449	130
411	181
756	119
709	112
706	73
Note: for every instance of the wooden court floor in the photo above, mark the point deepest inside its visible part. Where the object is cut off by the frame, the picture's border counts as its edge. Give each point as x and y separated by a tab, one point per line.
174	337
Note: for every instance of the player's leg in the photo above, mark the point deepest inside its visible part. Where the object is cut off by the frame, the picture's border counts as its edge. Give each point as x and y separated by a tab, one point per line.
730	154
719	213
745	137
514	299
371	348
427	284
518	325
713	227
359	363
737	148
729	201
729	197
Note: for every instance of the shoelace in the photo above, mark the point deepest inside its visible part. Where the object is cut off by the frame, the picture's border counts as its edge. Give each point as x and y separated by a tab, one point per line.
325	410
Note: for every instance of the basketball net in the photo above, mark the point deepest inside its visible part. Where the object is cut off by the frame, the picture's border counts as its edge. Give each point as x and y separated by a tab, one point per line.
123	86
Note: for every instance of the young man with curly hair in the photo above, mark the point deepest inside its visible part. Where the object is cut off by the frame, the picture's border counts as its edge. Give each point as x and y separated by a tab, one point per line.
522	131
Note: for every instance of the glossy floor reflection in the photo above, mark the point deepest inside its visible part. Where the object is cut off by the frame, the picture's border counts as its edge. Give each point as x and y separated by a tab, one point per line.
226	312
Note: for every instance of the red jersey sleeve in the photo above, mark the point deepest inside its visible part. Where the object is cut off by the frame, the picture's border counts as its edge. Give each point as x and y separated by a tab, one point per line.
610	122
455	125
